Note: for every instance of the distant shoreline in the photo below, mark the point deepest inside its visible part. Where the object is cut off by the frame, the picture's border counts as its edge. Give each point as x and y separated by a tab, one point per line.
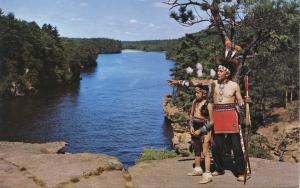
133	51
130	51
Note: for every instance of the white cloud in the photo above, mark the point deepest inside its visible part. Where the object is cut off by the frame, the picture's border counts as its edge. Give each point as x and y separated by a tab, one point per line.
83	4
132	21
151	25
161	5
76	19
127	33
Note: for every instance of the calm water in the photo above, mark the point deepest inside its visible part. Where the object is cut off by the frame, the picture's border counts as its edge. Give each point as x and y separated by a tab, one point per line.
116	109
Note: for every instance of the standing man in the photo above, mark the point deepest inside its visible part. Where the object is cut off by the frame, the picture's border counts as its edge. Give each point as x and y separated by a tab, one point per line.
226	96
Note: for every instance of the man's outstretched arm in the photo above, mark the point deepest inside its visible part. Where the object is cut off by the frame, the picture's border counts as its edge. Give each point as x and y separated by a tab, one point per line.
191	83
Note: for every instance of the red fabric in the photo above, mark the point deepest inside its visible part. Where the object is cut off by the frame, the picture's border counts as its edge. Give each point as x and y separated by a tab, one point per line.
225	121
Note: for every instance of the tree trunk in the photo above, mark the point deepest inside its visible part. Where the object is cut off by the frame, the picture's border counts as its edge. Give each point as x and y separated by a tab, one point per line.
218	21
263	111
286	98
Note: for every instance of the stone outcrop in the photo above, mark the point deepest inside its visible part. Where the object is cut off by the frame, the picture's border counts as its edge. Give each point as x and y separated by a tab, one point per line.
40	165
181	136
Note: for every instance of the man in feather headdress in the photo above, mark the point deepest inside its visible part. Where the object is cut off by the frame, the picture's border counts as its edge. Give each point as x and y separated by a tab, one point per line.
226	95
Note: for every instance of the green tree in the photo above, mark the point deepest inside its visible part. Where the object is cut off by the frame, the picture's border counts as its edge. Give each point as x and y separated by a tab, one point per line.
246	23
32	57
271	42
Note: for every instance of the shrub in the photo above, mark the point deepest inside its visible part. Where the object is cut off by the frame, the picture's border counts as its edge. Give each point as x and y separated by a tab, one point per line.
150	154
179	118
257	147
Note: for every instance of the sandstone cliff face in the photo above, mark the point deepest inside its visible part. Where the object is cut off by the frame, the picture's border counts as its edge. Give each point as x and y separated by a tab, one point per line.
181	139
40	165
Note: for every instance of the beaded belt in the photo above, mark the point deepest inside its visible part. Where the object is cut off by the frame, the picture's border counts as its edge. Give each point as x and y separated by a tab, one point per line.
224	107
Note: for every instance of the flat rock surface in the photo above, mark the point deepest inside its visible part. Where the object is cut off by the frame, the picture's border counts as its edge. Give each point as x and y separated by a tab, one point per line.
11	176
20	148
108	179
171	173
38	165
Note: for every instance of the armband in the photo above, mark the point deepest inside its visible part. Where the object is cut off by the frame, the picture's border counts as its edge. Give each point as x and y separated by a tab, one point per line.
205	128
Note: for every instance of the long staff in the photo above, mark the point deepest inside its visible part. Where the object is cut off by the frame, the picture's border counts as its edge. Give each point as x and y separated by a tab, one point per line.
248	124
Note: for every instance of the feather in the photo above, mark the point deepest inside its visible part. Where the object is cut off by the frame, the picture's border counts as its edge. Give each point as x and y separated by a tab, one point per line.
189	70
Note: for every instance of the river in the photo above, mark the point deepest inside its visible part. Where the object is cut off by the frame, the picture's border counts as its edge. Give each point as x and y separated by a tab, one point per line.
116	109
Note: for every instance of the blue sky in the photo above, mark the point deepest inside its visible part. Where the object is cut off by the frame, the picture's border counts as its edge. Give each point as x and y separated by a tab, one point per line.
117	19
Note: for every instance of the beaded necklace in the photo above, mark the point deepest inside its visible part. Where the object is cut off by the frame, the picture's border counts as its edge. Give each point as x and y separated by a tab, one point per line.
221	91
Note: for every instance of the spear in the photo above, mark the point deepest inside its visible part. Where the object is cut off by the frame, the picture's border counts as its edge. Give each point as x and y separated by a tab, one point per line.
248	124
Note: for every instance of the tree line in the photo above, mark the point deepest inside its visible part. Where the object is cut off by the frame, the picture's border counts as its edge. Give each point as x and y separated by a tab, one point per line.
150	45
32	57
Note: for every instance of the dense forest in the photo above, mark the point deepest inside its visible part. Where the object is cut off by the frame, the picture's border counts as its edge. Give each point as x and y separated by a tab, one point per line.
273	69
150	45
32	57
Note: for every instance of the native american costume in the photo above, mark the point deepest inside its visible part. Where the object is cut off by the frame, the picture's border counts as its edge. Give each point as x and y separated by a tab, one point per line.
200	115
226	126
225	118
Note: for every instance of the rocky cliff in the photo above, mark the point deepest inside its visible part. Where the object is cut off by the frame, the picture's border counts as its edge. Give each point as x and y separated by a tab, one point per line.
27	165
181	139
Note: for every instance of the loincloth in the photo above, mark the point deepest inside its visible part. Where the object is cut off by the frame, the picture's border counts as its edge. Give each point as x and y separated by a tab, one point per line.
225	118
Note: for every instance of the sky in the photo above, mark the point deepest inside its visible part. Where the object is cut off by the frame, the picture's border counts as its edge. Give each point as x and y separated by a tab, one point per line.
126	20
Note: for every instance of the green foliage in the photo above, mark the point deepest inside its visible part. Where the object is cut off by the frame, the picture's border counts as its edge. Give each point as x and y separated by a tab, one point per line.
32	57
184	99
196	48
257	147
276	62
150	154
150	45
275	68
179	118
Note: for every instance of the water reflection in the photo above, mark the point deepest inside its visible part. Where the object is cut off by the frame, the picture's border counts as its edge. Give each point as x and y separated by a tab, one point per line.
28	119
